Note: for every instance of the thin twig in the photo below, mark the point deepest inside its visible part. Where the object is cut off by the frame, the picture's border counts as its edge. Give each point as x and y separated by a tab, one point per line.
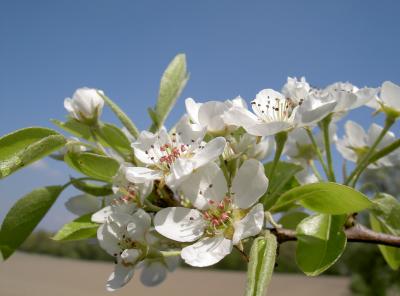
357	233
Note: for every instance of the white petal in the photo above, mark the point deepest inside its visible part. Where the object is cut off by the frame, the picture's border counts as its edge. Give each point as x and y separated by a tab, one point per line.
207	251
189	133
355	134
180	171
108	241
120	277
102	215
211	151
250	225
143	144
83	204
139	225
172	262
249	184
239	102
153	274
268	129
130	256
390	95
142	174
309	116
364	96
210	115
239	117
207	182
180	224
192	108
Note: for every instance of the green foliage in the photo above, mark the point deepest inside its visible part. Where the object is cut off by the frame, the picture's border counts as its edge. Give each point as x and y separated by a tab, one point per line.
172	83
25	146
23	217
93	165
385	218
75	128
291	219
261	265
114	138
321	241
78	229
326	197
283	180
125	120
92	188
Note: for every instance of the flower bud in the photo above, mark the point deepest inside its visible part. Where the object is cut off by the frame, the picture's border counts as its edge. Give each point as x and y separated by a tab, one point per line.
85	106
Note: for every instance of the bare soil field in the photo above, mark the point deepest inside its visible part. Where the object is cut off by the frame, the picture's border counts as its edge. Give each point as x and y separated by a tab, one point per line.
35	275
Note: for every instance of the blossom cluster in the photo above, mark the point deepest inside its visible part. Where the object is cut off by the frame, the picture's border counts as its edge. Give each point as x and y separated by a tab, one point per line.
196	191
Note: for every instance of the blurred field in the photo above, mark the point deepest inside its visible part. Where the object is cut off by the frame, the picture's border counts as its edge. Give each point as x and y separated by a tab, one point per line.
36	275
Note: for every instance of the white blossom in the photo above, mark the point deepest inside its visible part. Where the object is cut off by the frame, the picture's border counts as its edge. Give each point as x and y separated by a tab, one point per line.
274	112
356	143
222	216
129	239
173	157
210	115
389	99
86	105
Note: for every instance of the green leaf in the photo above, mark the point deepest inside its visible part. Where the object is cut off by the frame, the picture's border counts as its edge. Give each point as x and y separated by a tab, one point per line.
25	146
100	167
172	83
125	120
321	242
385	218
283	180
326	197
75	128
114	138
92	188
78	229
261	265
290	220
24	216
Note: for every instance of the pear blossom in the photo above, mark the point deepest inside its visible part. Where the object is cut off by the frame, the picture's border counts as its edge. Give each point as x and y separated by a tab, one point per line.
210	115
346	95
274	112
389	99
130	240
172	158
86	105
222	216
356	142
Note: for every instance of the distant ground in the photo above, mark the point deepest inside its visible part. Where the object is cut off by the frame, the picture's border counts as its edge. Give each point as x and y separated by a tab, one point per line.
36	275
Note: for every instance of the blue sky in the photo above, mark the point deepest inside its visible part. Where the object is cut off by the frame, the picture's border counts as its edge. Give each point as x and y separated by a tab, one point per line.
50	48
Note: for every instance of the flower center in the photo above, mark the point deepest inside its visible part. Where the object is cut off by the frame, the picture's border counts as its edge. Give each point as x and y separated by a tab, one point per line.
274	109
218	216
165	154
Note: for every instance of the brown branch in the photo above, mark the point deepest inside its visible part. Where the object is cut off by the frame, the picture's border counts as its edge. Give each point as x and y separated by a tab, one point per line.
357	233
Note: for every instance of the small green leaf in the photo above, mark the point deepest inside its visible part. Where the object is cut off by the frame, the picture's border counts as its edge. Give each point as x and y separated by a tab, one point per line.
92	188
321	242
125	120
172	83
78	229
25	146
24	216
261	265
114	138
385	218
75	128
283	180
290	220
326	197
100	167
